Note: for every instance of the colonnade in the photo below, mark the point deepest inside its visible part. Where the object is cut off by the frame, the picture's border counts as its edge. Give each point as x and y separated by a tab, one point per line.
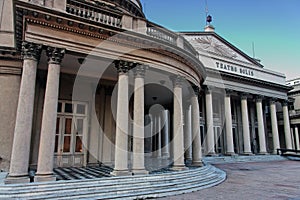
161	138
245	124
22	136
186	140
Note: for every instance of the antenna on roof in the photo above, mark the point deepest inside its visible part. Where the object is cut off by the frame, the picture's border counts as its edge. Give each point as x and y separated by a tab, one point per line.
208	17
206	11
253	50
208	27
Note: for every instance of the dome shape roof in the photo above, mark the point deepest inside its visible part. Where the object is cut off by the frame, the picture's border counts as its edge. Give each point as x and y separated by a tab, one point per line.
133	7
137	3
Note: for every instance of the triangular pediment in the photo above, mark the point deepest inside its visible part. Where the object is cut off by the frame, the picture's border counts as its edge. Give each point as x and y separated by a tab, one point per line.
216	46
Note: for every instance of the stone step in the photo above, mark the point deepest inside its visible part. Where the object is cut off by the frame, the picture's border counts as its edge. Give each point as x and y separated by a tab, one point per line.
112	192
50	188
103	181
157	190
129	187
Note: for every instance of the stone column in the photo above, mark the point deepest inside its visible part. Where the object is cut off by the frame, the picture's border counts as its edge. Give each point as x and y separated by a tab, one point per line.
245	120
209	123
178	138
154	137
287	128
47	139
297	138
196	138
18	172
188	134
261	127
138	162
276	143
122	118
228	124
158	128
165	134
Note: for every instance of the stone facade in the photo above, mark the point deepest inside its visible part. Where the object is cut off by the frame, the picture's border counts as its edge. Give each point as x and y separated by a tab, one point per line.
89	83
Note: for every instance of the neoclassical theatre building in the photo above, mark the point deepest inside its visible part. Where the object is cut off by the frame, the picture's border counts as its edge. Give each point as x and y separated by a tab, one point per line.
90	82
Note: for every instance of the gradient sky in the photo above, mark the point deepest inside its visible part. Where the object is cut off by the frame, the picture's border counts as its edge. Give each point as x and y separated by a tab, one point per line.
273	26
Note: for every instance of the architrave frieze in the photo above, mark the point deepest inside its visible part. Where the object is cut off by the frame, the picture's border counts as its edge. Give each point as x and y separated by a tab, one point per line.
63	22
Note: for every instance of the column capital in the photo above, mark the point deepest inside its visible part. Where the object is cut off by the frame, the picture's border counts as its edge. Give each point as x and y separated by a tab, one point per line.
272	100
259	98
31	50
55	55
208	90
177	80
244	96
285	102
140	70
228	92
196	90
124	66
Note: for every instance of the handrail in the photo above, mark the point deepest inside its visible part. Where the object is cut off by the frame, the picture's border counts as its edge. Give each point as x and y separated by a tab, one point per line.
94	13
161	33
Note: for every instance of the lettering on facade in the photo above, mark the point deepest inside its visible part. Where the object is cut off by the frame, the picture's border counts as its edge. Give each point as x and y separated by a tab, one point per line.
236	69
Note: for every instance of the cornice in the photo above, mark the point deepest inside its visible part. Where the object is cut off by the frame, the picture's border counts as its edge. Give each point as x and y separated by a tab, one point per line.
242	79
76	25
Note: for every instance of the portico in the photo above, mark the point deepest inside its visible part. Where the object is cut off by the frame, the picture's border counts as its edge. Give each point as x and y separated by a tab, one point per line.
110	88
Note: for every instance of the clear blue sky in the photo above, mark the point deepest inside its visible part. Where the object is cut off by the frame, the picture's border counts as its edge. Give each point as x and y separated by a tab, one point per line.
273	26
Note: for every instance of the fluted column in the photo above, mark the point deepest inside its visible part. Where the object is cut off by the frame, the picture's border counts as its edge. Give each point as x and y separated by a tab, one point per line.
297	138
47	139
245	120
228	124
196	138
275	135
138	165
178	138
188	134
287	128
209	123
261	127
121	145
18	172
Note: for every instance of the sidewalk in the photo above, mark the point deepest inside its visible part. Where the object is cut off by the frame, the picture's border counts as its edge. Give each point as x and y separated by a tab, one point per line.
254	180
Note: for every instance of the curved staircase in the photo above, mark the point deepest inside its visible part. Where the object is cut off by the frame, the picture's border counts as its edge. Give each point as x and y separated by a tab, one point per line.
125	187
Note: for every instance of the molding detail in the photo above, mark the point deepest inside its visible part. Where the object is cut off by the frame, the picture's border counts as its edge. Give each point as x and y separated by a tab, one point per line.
31	50
244	96
124	66
196	90
177	80
285	103
55	55
259	98
140	70
273	100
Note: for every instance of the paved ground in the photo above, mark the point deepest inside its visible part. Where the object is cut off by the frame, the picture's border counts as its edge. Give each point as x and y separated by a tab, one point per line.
251	181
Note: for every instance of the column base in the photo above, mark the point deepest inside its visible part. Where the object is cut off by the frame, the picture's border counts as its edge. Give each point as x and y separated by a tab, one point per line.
212	154
197	164
44	178
248	154
139	172
179	168
231	154
263	153
165	155
16	179
120	173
